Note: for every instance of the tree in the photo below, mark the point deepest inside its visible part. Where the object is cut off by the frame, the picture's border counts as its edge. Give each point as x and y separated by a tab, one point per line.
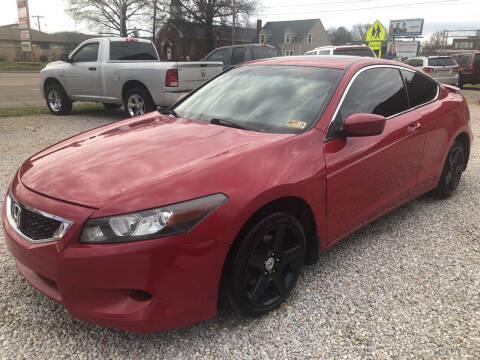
359	31
340	36
115	17
209	13
435	42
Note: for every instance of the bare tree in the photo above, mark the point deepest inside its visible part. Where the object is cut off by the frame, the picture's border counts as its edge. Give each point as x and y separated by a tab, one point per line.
209	13
359	31
115	17
340	35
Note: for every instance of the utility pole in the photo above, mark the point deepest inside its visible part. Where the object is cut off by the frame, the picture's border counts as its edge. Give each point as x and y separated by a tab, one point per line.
154	21
38	17
233	21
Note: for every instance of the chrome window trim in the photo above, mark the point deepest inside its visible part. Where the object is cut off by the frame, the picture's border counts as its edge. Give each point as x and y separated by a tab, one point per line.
65	222
347	89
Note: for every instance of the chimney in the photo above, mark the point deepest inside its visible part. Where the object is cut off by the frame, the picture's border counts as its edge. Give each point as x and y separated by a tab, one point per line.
259	28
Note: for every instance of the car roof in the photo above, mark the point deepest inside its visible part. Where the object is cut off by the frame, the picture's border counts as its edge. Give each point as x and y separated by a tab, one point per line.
245	45
329	61
341	47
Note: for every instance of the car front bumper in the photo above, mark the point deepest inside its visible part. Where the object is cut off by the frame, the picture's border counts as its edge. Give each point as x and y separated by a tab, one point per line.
105	284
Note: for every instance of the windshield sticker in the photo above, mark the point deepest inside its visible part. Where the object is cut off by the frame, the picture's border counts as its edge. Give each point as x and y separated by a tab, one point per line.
296	124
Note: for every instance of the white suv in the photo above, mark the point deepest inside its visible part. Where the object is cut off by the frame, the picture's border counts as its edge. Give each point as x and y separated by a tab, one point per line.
352	50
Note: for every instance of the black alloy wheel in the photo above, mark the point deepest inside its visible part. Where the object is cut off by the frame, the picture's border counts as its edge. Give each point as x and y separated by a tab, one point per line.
452	171
267	265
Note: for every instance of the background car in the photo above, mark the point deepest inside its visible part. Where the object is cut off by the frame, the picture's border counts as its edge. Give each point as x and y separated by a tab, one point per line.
469	68
442	68
352	50
236	54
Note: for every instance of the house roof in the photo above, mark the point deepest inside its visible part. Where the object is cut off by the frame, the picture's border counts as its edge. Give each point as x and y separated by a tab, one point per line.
73	36
223	32
12	32
277	29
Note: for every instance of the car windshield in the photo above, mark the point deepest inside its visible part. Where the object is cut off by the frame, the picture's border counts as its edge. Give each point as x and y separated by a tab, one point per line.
354	52
281	99
441	61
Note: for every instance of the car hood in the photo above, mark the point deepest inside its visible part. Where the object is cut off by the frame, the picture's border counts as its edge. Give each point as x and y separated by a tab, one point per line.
95	167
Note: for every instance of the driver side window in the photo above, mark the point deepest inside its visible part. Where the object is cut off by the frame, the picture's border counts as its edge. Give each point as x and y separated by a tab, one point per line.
222	55
87	53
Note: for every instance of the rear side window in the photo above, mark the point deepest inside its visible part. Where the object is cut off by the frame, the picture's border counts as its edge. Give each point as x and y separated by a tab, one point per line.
354	52
441	61
477	60
222	55
415	62
87	53
420	89
324	52
376	91
132	50
262	52
464	59
238	55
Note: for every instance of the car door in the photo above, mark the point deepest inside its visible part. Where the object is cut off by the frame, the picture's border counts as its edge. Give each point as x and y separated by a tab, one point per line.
82	76
366	176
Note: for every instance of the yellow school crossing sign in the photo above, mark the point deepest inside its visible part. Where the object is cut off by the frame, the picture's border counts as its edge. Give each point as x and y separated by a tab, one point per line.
376	32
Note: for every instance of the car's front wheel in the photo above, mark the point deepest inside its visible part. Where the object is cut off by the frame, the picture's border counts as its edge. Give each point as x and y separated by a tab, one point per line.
57	100
264	267
452	171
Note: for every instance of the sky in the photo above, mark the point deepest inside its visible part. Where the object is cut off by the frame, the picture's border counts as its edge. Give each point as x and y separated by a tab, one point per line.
438	14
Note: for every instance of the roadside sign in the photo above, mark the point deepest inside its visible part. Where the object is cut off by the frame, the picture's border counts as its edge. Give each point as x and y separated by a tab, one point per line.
25	35
22	12
23	23
21	3
376	32
405	27
26	46
376	46
402	49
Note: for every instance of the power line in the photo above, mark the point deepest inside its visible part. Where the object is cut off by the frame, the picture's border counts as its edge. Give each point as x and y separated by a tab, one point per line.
367	8
320	4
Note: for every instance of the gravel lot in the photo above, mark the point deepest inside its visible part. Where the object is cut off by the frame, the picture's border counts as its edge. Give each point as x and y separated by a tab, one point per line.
406	286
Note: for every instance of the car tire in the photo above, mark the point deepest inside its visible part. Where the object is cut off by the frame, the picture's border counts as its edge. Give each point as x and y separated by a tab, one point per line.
460	84
452	171
111	106
137	102
265	265
57	100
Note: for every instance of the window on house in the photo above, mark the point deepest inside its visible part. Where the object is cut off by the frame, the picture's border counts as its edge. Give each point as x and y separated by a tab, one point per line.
310	38
287	38
288	52
262	39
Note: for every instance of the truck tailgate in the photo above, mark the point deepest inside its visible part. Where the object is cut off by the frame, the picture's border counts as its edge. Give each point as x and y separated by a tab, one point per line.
194	74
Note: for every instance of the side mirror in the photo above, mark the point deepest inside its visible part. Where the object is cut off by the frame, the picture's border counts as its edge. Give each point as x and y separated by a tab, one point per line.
65	58
362	124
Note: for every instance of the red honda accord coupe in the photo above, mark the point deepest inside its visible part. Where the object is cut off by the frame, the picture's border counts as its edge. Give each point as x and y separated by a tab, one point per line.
139	225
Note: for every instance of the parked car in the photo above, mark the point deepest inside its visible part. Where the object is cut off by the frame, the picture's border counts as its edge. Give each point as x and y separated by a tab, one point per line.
442	68
120	71
236	54
138	225
469	68
352	50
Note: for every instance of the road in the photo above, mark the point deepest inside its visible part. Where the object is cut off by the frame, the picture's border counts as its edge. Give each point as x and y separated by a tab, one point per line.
20	89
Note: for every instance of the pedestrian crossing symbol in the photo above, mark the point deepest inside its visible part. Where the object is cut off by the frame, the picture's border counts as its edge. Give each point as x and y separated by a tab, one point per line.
376	32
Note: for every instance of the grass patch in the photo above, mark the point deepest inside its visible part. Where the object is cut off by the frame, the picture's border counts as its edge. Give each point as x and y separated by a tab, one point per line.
42	110
14	66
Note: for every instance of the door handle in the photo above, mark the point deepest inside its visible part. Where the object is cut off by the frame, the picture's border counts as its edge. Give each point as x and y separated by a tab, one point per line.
413	127
92	68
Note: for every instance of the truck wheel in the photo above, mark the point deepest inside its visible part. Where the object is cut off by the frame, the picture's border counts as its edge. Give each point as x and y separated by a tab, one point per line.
57	100
111	106
138	101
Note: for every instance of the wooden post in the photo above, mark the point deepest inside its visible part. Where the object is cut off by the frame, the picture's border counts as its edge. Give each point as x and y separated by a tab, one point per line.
30	32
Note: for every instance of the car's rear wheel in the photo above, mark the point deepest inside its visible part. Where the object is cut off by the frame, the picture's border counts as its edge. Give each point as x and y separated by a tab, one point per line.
57	100
452	171
265	266
111	106
137	102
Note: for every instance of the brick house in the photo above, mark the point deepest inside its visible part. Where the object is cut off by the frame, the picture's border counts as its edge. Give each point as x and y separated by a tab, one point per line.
294	37
181	40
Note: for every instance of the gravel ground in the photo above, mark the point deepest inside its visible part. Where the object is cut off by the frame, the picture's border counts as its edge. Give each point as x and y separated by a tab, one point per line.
405	287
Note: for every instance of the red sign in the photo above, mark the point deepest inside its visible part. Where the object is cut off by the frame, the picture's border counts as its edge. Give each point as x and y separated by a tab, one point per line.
21	3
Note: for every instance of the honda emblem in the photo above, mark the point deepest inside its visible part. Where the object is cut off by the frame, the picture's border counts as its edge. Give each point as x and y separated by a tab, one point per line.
16	214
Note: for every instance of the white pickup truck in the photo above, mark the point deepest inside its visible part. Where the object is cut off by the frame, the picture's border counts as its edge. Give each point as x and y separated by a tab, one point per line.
120	71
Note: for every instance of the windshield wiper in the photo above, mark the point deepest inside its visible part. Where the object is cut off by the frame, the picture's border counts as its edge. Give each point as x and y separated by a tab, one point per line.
168	111
229	123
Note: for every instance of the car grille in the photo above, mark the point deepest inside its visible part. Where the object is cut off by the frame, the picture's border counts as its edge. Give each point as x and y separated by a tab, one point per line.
36	226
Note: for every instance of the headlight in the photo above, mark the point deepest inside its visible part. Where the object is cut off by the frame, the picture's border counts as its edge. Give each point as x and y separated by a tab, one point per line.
149	224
